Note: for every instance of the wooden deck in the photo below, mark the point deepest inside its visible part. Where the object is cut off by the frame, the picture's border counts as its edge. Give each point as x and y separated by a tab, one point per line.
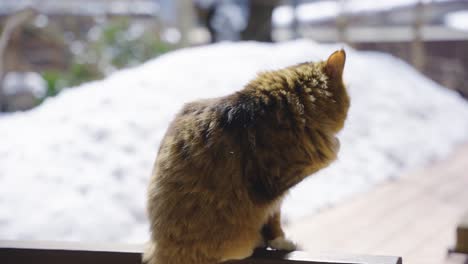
414	217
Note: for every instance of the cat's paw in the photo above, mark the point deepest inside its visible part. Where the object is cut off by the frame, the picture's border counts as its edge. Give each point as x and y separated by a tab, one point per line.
282	243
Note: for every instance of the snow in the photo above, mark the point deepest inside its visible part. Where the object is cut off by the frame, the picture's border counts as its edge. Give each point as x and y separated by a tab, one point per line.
457	20
76	168
320	10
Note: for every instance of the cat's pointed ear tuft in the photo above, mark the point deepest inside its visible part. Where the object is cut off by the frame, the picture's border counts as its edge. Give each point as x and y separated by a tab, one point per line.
335	63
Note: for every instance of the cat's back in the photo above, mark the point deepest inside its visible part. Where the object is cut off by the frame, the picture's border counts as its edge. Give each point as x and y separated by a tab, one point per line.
194	117
198	167
197	143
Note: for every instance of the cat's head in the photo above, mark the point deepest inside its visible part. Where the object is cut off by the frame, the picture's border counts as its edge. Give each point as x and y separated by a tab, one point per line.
323	92
310	93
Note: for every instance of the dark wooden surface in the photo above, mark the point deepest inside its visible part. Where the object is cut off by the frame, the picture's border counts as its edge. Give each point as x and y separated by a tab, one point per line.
462	235
19	252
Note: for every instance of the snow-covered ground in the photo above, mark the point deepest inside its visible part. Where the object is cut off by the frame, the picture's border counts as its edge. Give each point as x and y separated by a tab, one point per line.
76	167
457	20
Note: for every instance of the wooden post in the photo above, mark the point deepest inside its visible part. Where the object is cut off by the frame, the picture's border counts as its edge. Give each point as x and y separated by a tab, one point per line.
185	19
461	245
342	22
295	22
417	46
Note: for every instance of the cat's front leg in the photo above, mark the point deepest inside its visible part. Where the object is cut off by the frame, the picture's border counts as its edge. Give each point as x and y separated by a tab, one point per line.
273	234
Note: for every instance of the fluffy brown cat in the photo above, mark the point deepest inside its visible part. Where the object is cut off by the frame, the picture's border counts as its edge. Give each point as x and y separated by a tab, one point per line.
225	164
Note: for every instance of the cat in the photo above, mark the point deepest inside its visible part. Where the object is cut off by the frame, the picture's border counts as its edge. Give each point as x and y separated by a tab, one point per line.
225	164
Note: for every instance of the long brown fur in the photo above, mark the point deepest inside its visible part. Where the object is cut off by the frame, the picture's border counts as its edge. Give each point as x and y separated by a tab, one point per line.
225	164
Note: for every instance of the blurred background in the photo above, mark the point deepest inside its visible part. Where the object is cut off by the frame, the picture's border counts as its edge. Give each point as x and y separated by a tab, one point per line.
88	87
47	45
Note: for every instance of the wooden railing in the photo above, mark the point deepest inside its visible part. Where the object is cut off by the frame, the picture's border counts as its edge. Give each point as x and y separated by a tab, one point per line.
461	243
20	252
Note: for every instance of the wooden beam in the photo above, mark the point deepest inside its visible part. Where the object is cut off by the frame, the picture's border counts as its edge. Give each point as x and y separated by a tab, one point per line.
461	245
70	253
21	252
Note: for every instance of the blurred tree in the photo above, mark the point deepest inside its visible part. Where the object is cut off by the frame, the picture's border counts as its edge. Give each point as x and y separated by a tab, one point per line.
11	25
115	44
224	19
205	11
119	44
259	25
237	19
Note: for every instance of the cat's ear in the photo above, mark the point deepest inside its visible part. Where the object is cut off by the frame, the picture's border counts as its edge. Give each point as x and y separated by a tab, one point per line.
335	64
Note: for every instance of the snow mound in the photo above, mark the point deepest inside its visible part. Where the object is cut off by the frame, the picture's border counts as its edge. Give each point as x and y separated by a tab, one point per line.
76	167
